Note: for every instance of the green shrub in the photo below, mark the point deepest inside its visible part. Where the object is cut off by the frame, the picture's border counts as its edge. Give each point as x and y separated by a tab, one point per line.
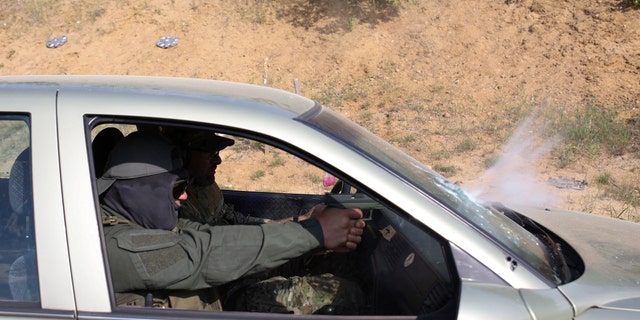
277	161
468	144
594	130
604	179
257	175
446	171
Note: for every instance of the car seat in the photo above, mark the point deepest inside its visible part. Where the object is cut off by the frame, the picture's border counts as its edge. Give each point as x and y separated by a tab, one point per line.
20	184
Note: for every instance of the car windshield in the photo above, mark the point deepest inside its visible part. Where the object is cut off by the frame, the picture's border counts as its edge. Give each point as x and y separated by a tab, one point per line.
503	230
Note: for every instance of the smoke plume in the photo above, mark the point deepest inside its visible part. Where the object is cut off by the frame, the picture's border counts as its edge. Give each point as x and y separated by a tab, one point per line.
514	178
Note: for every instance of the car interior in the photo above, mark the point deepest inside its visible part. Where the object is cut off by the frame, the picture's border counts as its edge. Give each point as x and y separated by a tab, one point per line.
17	243
402	267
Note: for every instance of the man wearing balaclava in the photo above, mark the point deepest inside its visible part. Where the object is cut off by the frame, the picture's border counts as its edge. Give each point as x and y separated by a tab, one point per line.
150	248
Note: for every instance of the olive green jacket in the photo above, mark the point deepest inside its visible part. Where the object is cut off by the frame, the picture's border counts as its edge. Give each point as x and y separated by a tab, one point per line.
196	256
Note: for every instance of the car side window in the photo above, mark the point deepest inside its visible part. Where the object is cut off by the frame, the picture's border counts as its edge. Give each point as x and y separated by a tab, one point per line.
19	281
399	268
402	268
250	165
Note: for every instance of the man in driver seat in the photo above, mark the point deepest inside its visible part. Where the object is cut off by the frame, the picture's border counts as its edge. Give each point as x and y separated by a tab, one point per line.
301	291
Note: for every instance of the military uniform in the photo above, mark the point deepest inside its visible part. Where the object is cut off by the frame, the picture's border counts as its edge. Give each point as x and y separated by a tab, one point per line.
195	256
318	293
305	293
205	204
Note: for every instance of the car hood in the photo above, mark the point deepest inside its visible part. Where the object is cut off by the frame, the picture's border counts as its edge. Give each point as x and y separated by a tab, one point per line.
610	251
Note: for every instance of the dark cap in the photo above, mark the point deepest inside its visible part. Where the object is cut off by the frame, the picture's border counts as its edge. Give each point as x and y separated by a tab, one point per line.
139	154
206	141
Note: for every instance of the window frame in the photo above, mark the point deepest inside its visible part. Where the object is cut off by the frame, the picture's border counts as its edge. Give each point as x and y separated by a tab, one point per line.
94	121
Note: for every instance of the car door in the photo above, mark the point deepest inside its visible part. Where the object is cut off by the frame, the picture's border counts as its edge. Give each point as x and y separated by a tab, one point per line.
399	273
482	300
92	299
36	278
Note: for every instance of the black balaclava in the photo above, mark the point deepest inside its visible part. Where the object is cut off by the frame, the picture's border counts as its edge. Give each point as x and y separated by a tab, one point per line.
147	201
138	180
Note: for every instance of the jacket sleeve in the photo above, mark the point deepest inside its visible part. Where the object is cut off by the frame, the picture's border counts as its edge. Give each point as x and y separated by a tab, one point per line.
199	256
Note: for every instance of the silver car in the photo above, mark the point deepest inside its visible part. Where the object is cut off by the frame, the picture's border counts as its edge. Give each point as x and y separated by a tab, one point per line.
429	251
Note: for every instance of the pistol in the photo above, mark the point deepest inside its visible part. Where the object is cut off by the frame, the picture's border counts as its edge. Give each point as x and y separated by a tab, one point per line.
351	201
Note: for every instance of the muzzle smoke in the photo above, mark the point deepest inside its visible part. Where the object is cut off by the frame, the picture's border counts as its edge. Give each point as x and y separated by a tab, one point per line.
514	178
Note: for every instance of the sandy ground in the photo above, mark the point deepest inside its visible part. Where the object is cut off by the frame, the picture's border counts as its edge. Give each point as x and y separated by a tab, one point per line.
425	75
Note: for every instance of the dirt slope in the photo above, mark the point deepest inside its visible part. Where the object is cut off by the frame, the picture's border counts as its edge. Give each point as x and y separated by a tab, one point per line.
425	75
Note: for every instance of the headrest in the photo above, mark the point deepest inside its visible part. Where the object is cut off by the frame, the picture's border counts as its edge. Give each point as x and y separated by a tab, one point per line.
21	185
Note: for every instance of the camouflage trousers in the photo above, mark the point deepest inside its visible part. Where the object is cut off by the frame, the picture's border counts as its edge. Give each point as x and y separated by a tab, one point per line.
321	294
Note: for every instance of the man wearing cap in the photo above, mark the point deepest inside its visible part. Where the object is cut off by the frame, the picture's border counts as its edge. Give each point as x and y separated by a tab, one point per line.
150	248
205	203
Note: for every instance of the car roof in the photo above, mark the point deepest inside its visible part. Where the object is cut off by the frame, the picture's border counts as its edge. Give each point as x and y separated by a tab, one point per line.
279	99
